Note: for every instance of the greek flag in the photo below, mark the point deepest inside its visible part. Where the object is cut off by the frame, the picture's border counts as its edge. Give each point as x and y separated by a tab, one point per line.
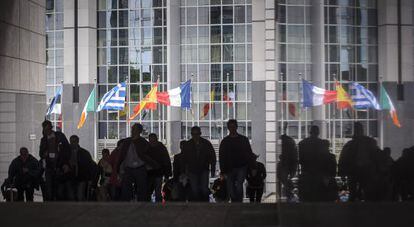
113	99
363	98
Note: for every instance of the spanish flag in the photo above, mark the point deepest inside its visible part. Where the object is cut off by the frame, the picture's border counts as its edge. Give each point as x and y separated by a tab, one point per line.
208	106
343	100
149	102
89	107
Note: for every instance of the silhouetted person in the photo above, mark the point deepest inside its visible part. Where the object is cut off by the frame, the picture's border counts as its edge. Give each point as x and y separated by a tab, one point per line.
24	171
83	169
54	152
385	183
179	186
105	172
357	161
219	189
404	175
115	179
134	159
287	166
199	159
313	158
159	153
235	154
256	174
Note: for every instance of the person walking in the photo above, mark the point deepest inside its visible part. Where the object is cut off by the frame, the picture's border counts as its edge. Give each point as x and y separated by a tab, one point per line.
235	154
24	171
256	174
135	162
199	159
83	168
159	153
314	161
357	161
54	152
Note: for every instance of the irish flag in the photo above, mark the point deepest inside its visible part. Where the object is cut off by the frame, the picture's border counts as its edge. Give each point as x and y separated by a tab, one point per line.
89	107
387	104
316	96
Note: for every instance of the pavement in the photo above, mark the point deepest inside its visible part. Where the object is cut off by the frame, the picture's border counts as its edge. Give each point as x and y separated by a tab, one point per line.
207	214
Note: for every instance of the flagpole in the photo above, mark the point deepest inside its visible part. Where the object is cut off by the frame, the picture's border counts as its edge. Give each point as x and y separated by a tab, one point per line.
300	109
159	113
381	119
61	104
95	122
333	137
227	95
128	122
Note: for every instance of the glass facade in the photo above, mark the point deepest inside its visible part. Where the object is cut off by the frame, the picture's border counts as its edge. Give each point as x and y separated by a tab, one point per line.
54	51
131	40
350	45
216	52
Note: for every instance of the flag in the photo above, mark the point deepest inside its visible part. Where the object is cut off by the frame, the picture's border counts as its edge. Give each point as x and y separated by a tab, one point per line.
55	107
343	100
89	107
229	98
291	105
387	104
363	98
123	112
208	106
316	96
113	99
179	97
149	102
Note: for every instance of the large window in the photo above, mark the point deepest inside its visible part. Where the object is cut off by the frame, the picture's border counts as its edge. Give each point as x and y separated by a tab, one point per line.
350	45
216	49
54	52
131	47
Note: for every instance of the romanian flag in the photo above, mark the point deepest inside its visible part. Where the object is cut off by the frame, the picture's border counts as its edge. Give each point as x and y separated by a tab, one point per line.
343	99
149	102
387	104
89	107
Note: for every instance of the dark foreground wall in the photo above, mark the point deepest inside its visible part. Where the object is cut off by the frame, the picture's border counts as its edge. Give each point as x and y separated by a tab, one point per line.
346	215
135	214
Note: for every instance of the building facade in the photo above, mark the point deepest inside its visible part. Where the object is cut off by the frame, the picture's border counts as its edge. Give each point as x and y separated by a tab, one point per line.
246	59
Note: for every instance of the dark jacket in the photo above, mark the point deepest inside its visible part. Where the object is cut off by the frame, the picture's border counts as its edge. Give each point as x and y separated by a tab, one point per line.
141	147
159	153
63	155
16	171
177	165
289	156
313	155
86	166
197	162
358	156
235	152
256	174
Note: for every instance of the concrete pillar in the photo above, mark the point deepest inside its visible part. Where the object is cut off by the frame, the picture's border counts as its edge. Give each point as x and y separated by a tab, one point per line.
264	123
87	67
318	58
173	72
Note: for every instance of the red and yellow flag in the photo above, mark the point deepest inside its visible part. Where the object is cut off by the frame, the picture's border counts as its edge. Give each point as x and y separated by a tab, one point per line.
149	102
343	100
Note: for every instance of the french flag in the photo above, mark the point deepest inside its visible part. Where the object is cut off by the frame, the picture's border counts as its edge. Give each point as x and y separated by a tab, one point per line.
316	96
179	97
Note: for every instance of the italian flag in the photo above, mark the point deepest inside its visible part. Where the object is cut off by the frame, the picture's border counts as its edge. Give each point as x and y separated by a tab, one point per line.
387	104
89	107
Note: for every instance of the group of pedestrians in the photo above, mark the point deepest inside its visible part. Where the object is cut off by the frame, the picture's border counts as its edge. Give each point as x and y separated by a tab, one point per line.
367	172
138	170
